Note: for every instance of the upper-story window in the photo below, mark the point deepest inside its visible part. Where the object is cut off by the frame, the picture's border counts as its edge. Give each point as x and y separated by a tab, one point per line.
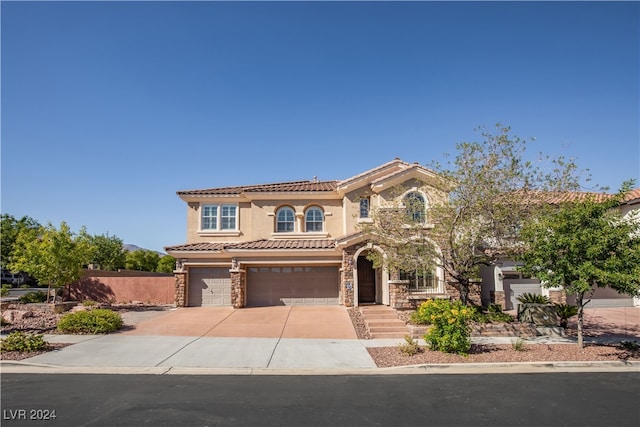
285	220
415	206
364	207
314	219
219	217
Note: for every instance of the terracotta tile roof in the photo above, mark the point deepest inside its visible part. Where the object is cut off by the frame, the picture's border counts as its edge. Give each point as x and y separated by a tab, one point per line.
294	186
556	198
286	244
633	195
263	244
394	163
197	247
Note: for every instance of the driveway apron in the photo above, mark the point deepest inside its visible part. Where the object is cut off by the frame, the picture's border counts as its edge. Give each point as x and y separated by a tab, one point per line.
284	337
330	322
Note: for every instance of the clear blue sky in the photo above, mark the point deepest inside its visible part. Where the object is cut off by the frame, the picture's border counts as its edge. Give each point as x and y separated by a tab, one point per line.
109	108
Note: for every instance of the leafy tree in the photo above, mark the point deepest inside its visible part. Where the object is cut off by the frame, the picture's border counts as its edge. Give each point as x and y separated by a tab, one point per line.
10	228
489	184
491	195
582	246
142	260
55	256
166	264
108	252
407	244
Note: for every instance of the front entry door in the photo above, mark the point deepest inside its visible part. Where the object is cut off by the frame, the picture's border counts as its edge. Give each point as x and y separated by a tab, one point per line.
366	281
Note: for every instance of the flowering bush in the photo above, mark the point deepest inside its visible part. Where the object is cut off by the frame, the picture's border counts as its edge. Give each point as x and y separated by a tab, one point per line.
450	332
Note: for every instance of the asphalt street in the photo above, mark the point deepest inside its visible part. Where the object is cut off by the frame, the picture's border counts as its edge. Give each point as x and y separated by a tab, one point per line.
567	399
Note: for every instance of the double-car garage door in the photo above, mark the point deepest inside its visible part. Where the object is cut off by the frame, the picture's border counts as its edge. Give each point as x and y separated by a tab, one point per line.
299	285
282	285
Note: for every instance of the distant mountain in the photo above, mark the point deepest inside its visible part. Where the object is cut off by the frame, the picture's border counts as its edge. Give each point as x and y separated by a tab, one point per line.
132	248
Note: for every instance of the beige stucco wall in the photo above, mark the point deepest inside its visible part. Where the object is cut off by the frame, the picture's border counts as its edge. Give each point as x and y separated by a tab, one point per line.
257	219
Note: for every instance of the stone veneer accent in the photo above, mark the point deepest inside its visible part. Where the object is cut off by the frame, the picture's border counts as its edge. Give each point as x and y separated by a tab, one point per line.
475	292
238	288
557	296
346	277
497	297
399	295
181	288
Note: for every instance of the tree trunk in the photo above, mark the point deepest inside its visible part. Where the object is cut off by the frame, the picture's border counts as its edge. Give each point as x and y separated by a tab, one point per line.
579	298
463	288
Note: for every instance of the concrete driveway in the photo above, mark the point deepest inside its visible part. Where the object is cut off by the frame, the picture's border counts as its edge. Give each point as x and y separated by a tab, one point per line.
311	322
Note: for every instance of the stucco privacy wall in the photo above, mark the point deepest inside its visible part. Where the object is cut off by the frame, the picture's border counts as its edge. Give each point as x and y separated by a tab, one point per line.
124	287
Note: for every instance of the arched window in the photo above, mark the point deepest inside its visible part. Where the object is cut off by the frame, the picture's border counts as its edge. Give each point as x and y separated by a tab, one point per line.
415	206
313	219
285	220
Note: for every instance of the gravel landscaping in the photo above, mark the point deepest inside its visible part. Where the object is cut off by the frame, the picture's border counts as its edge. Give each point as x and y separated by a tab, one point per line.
494	353
45	323
481	353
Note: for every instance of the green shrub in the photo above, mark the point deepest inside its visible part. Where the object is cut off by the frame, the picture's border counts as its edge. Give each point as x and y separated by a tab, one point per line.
33	297
494	313
22	341
89	303
518	344
630	345
450	332
99	321
528	298
565	312
5	290
410	347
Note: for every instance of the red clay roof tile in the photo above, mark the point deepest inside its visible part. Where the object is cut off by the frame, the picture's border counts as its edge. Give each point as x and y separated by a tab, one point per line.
263	244
294	186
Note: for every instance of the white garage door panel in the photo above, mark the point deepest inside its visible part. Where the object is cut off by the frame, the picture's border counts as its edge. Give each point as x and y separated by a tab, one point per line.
209	287
515	289
292	286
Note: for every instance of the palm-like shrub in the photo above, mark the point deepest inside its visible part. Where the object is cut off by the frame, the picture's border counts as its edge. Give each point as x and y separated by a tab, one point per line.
529	298
565	312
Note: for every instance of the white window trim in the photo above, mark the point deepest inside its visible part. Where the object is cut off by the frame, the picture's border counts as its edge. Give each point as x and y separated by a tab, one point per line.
296	220
322	221
218	231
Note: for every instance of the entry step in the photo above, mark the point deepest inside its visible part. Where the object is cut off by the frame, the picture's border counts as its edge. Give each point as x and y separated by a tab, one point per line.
383	322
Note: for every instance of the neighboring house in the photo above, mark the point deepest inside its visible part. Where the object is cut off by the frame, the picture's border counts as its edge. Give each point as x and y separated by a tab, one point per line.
295	243
503	283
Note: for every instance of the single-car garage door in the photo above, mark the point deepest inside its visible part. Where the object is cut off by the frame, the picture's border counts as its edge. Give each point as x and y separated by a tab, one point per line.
514	289
209	287
308	285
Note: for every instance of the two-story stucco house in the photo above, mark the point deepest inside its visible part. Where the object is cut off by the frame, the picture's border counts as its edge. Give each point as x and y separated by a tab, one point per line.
299	242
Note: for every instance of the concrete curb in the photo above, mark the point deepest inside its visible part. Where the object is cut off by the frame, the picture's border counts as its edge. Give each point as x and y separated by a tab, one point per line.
9	366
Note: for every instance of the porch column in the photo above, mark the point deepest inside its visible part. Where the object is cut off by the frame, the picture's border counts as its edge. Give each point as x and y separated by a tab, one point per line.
181	288
346	278
556	295
238	288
